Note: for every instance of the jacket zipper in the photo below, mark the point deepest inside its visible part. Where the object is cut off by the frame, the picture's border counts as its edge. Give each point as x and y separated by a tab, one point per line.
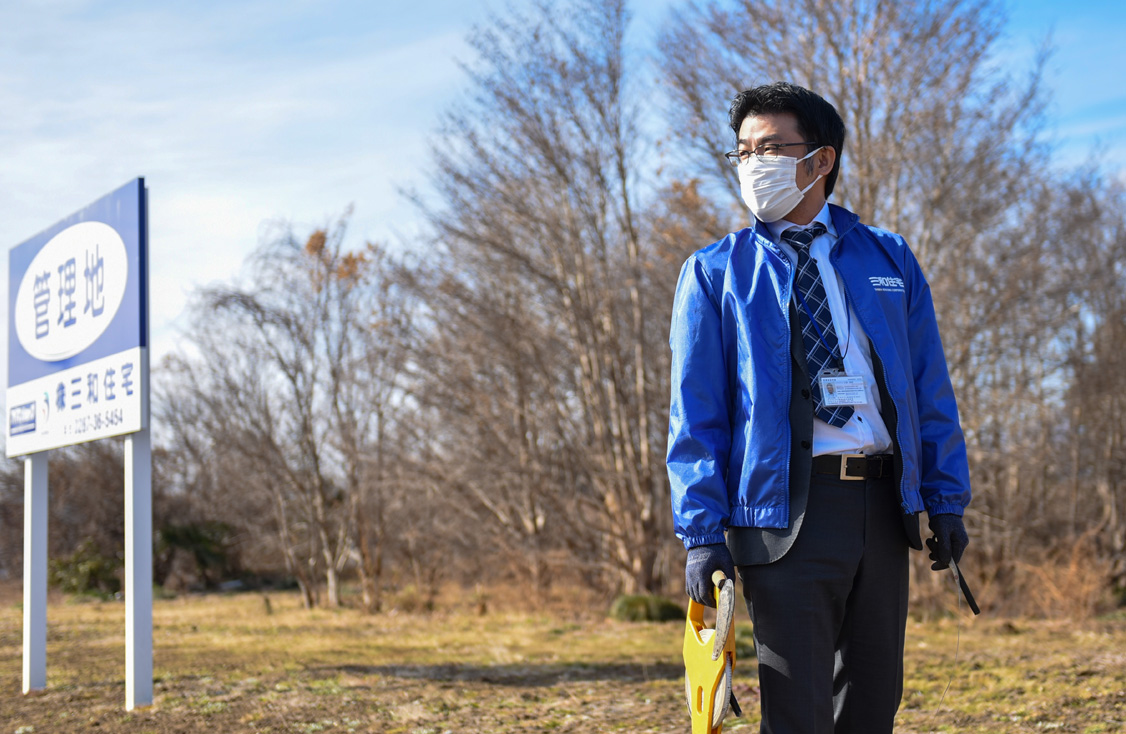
789	376
883	366
785	306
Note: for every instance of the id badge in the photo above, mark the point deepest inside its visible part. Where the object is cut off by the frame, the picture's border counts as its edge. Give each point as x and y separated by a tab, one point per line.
838	388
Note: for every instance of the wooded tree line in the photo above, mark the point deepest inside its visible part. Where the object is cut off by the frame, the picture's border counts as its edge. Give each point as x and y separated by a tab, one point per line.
490	401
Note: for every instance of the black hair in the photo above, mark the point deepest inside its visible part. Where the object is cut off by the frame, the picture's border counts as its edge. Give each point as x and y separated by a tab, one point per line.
818	121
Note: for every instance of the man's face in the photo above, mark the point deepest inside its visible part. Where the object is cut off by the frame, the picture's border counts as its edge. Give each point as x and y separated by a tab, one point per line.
774	128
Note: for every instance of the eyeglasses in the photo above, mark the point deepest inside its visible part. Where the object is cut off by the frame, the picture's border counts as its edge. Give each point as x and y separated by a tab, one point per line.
767	150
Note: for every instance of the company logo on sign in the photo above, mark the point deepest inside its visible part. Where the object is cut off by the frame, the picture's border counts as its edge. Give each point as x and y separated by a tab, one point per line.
71	291
21	419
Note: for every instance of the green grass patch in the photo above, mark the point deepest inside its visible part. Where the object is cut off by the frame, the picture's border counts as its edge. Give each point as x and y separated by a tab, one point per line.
645	608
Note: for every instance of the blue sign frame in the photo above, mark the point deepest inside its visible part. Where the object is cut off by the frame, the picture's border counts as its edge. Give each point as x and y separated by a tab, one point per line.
124	210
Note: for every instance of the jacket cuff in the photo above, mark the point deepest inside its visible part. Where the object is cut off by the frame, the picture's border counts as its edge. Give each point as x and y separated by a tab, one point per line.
692	541
945	509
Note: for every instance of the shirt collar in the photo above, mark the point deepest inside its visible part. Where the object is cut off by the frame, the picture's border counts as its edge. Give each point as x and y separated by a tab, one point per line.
777	228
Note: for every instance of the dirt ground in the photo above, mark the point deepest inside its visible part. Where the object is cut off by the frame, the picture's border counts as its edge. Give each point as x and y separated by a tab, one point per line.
252	663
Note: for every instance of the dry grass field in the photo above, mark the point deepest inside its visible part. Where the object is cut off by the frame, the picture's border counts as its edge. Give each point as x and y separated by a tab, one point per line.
234	663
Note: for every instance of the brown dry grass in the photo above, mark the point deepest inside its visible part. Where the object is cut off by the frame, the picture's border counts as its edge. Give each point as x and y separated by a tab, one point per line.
1071	584
224	665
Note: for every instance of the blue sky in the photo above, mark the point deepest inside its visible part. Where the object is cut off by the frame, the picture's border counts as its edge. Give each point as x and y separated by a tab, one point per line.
1084	73
242	112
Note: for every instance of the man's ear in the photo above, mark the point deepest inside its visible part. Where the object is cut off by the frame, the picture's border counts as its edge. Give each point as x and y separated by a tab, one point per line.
825	159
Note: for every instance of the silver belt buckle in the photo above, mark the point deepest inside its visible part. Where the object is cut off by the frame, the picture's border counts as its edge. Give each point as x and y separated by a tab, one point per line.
844	467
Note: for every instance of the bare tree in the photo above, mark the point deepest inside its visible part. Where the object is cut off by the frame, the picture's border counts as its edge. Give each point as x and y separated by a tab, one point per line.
295	383
1094	329
368	353
503	395
11	519
539	242
85	504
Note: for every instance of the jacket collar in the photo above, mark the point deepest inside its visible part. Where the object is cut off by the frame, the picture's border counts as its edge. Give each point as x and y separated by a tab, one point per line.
843	222
776	229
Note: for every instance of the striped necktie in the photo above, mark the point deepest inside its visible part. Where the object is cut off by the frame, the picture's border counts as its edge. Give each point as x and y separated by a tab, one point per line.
820	338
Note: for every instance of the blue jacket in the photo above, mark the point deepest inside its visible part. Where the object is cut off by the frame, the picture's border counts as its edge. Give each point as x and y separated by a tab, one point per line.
729	435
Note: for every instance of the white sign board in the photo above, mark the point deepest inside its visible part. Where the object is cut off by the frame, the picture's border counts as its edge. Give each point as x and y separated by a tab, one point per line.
78	371
76	328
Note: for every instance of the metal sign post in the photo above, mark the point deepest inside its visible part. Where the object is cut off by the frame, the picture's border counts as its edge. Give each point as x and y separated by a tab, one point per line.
138	570
78	370
35	572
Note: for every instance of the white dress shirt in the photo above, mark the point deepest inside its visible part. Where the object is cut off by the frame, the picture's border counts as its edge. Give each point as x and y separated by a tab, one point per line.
865	432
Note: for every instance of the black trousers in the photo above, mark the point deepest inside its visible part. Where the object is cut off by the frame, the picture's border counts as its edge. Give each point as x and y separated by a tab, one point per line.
829	616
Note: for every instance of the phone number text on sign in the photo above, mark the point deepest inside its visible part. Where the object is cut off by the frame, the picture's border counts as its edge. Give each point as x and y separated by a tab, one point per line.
110	418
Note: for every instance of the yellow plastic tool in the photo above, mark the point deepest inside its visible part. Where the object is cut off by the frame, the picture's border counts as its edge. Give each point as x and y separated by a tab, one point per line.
709	659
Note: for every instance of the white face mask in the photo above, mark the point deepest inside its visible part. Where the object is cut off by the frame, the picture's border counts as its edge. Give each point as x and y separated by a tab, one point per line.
770	186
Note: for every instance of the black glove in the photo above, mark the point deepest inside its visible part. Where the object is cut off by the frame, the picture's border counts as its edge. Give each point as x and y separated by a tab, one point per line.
703	561
949	540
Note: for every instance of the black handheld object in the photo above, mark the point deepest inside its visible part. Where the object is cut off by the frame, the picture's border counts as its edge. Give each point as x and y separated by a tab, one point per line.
964	586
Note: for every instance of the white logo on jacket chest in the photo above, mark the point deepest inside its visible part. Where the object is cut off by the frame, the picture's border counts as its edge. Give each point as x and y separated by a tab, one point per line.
887	284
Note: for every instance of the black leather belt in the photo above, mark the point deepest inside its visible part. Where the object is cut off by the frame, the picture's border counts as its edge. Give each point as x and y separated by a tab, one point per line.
854	466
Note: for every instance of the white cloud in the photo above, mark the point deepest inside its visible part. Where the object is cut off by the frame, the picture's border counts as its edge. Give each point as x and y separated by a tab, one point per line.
230	129
236	114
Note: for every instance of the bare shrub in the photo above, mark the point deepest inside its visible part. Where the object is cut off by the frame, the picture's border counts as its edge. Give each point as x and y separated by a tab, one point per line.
1070	582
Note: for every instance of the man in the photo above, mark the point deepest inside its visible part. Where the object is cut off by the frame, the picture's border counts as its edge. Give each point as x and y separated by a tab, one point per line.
812	419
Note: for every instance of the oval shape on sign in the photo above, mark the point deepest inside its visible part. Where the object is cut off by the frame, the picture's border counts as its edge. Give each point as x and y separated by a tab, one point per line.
71	291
